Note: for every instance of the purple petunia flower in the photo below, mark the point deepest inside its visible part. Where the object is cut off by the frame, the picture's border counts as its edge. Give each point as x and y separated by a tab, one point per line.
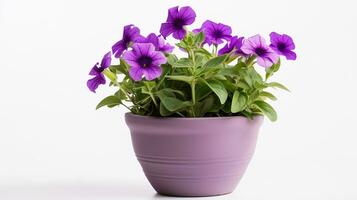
283	45
158	41
144	60
97	73
234	44
130	34
215	33
176	22
256	46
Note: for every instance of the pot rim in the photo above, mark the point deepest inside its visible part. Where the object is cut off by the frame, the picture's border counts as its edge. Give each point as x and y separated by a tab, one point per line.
130	114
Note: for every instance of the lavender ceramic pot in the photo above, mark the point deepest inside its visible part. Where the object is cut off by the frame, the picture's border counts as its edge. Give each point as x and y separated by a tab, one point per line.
193	156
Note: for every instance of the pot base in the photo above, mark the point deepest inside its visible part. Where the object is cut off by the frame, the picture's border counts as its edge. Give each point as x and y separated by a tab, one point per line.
198	189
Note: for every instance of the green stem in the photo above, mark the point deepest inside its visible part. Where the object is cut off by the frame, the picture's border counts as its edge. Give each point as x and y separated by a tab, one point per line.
193	90
125	106
193	59
161	81
153	99
215	48
110	75
250	61
151	94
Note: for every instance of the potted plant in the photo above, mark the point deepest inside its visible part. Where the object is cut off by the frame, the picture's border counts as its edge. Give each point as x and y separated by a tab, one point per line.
194	119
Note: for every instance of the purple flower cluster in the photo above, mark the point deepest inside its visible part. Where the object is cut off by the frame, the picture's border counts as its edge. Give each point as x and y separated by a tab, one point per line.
267	55
145	55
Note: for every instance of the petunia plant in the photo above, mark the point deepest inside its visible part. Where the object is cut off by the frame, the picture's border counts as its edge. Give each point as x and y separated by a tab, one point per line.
217	77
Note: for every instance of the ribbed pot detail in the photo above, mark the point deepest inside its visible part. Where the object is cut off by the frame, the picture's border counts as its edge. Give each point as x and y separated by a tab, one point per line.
193	156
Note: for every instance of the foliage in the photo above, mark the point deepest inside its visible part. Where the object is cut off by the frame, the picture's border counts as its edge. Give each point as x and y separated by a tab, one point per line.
199	85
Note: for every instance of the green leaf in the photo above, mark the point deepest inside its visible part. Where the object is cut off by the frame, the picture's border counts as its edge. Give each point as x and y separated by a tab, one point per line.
202	91
243	84
229	71
239	102
268	95
187	79
203	52
267	110
218	88
253	96
121	95
246	77
255	76
215	61
278	85
172	91
249	115
172	103
182	45
201	108
229	85
220	77
163	111
182	63
171	59
109	101
199	38
271	70
200	59
118	69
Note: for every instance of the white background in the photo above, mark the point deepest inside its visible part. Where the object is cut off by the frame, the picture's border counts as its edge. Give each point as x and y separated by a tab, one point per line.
54	145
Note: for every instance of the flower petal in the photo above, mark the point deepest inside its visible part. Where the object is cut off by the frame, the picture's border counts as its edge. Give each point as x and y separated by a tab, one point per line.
95	70
248	47
158	58
152	38
179	34
274	38
131	58
106	61
136	73
290	55
118	48
288	42
143	48
208	25
93	83
173	13
166	48
272	56
187	14
141	39
166	29
225	49
152	72
226	30
256	41
131	32
264	62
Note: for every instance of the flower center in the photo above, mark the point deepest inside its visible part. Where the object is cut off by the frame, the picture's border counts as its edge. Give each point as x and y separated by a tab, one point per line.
178	23
217	34
145	61
281	46
260	51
